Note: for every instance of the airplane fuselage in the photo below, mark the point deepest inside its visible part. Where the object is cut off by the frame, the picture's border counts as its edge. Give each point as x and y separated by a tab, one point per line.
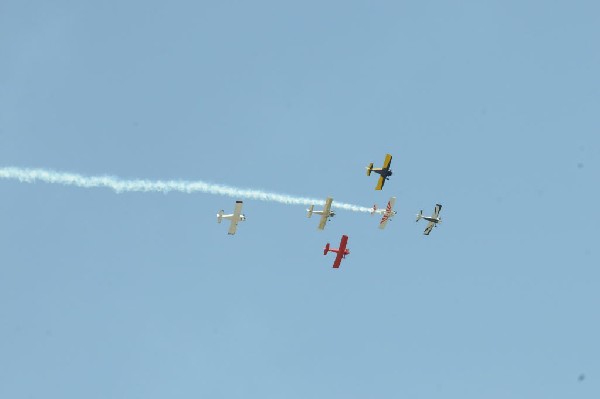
230	216
337	251
384	212
383	172
331	213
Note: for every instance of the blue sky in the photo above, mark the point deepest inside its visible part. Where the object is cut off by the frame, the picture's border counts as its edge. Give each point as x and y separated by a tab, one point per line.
490	109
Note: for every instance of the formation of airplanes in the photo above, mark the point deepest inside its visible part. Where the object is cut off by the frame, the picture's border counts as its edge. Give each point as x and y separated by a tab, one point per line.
387	213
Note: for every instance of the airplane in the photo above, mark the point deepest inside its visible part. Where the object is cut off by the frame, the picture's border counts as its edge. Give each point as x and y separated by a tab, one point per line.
384	173
235	217
387	214
433	220
326	213
341	252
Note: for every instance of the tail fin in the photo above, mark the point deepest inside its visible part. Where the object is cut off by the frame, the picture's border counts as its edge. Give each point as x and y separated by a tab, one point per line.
369	169
374	209
419	215
220	215
326	249
310	211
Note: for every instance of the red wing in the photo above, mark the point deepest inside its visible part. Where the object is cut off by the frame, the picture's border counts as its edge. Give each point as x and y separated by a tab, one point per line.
343	244
338	260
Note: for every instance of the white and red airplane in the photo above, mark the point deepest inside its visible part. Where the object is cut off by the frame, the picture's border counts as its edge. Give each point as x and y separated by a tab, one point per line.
341	252
387	214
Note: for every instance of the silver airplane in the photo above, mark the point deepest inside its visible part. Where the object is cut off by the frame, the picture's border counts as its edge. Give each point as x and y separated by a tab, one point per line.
433	220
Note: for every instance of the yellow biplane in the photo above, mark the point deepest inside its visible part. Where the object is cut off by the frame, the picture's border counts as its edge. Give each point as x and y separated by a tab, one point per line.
384	173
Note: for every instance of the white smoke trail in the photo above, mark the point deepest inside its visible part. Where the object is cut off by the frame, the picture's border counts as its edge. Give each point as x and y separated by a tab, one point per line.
162	186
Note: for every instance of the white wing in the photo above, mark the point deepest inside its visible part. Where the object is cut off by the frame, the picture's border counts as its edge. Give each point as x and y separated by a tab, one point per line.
236	217
391	204
436	211
428	228
325	215
232	227
384	221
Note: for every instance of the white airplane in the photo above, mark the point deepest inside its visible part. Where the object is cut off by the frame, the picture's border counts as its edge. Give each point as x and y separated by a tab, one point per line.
387	214
433	220
235	217
326	213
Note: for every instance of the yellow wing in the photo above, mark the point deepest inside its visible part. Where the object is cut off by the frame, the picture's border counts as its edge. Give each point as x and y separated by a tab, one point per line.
380	183
388	161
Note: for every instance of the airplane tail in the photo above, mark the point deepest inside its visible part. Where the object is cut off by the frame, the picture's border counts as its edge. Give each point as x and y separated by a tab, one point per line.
374	209
419	215
220	216
326	249
369	169
310	211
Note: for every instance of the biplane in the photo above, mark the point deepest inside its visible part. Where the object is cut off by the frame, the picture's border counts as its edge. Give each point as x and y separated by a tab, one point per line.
433	219
384	172
235	217
326	213
341	252
386	214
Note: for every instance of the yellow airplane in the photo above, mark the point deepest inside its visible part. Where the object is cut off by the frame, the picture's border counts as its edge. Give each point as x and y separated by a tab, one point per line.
384	173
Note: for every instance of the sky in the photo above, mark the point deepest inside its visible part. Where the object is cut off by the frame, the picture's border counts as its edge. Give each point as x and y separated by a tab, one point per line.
489	108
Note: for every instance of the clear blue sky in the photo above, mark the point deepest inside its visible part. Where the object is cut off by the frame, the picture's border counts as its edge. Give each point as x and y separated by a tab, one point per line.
489	108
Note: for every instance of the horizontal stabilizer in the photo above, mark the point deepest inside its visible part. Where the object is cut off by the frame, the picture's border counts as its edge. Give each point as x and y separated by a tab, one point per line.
369	169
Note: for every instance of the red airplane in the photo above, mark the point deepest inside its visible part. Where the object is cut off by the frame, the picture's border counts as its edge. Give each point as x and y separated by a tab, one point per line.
341	252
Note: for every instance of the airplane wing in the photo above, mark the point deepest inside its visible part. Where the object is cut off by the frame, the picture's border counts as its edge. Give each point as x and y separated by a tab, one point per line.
338	260
436	212
380	183
343	243
390	205
387	213
388	161
325	215
236	217
428	228
323	221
